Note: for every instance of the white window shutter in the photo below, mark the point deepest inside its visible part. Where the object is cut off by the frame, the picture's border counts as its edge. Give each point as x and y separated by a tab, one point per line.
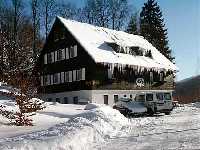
75	50
74	75
67	53
83	74
62	77
70	76
56	56
41	81
45	59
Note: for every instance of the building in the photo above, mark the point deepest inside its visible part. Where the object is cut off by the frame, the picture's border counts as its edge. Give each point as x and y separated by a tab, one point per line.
82	62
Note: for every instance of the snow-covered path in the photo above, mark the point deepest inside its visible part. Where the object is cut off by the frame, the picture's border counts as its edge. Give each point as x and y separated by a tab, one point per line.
180	130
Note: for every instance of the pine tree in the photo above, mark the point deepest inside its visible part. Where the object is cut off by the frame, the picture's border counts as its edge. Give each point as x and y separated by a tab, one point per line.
132	26
152	27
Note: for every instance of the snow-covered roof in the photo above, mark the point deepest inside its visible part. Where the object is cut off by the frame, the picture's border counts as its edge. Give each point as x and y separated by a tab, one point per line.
95	41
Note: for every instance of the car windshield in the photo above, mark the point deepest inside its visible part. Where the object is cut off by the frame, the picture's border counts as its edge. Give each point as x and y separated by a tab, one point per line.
159	96
149	97
125	99
167	96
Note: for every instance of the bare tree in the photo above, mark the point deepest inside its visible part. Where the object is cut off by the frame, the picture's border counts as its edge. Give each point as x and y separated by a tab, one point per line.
35	22
106	13
48	12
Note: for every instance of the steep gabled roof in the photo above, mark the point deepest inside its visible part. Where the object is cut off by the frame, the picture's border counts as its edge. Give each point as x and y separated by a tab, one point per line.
95	41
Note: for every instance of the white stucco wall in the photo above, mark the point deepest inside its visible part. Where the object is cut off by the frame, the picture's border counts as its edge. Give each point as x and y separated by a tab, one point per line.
83	96
94	96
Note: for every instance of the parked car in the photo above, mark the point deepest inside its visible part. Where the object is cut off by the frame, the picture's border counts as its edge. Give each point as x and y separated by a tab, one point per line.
127	106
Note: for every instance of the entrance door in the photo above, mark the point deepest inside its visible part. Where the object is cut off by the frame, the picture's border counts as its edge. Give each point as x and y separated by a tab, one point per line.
115	98
105	99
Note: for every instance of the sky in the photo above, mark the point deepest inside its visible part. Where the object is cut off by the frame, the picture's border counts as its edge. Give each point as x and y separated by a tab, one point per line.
182	19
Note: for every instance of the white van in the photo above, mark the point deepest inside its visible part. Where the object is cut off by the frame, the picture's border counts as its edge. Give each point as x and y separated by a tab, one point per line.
156	101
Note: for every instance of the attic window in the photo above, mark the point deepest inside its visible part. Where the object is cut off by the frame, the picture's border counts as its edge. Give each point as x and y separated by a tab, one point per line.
59	34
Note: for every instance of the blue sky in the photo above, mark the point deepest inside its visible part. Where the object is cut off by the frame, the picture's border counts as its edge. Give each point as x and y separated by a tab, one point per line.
182	19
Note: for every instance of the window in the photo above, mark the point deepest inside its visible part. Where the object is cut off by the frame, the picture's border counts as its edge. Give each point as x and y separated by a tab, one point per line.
78	74
59	55
70	76
45	59
131	96
74	75
75	99
149	97
49	58
75	50
140	98
47	79
56	36
159	96
56	78
105	97
167	96
67	76
58	100
124	95
62	77
49	99
67	53
66	100
115	98
71	51
83	74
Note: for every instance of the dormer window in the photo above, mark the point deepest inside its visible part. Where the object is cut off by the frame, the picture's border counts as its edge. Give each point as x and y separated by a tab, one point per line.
136	51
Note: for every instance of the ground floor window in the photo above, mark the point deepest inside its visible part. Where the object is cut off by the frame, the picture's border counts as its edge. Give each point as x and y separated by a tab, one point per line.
75	99
49	99
66	100
115	98
105	99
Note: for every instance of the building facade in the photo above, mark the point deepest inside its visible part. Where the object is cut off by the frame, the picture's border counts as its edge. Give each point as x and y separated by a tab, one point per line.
81	63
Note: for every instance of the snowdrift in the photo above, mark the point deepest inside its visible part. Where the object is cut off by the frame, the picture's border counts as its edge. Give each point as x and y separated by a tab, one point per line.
81	132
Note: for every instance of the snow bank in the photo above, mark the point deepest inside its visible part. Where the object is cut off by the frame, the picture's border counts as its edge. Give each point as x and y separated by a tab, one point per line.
81	132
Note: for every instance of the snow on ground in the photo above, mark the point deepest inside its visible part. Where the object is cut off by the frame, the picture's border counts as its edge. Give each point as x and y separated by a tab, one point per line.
68	126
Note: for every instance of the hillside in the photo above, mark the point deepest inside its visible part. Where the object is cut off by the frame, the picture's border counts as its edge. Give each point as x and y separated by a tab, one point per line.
188	90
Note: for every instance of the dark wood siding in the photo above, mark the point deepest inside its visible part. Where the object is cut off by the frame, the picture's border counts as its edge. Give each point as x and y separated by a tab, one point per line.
96	73
83	60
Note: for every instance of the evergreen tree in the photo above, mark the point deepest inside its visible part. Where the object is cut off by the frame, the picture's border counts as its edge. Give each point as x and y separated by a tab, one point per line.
152	27
132	26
